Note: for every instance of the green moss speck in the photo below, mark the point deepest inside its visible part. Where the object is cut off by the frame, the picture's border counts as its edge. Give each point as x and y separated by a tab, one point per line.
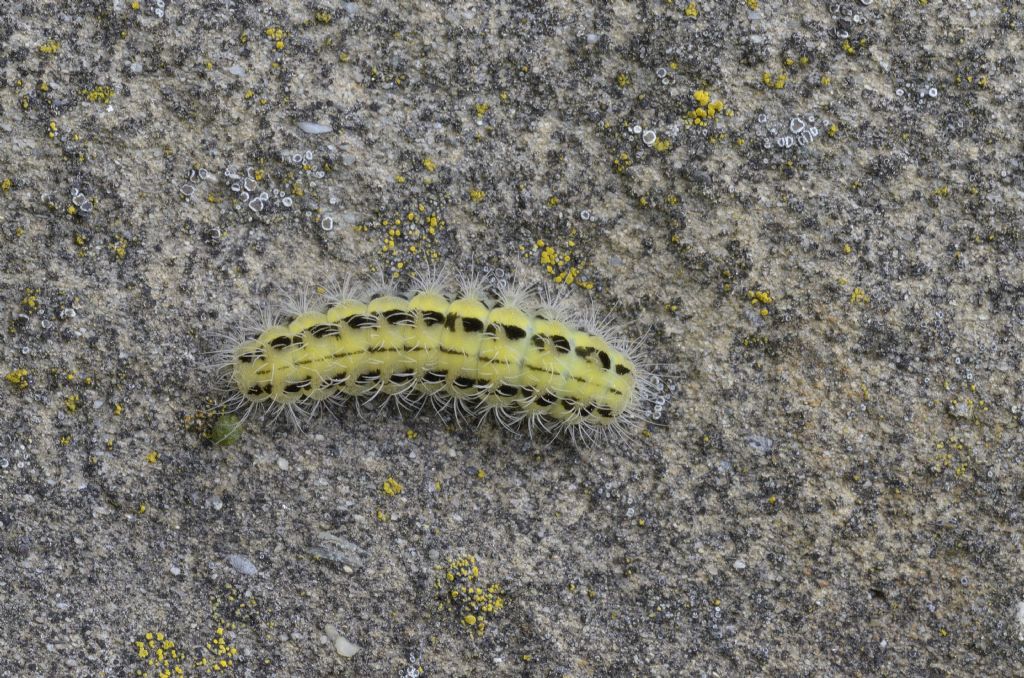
226	431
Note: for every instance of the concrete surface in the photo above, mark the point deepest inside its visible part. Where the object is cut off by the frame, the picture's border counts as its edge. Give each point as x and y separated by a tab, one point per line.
814	207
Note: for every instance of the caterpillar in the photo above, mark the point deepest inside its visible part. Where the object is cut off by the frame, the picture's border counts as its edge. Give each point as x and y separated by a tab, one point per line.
526	358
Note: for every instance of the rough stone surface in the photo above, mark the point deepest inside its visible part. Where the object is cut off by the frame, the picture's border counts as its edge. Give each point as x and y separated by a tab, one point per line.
829	265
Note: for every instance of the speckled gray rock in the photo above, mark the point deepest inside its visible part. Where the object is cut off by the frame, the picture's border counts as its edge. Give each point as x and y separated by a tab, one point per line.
813	210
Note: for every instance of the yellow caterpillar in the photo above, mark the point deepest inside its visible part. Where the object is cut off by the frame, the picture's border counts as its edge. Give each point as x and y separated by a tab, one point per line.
511	354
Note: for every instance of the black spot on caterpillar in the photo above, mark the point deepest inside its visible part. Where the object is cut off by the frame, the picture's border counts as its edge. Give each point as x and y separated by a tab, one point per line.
297	386
281	343
514	333
368	378
251	356
507	391
321	331
360	322
431	318
398	317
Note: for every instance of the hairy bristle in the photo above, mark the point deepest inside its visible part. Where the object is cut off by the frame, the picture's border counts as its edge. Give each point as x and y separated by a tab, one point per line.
432	280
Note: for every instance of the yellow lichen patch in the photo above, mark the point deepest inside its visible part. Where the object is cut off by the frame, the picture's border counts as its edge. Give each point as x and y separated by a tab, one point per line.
223	653
953	454
622	80
323	17
778	82
476	195
429	164
968	405
18	378
49	47
30	302
276	34
460	591
562	266
119	248
858	296
160	655
756	341
706	108
391	487
412	235
622	162
761	299
691	10
71	403
6	184
100	94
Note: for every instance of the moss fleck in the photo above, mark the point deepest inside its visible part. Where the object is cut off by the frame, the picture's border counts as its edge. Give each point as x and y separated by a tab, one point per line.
226	430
